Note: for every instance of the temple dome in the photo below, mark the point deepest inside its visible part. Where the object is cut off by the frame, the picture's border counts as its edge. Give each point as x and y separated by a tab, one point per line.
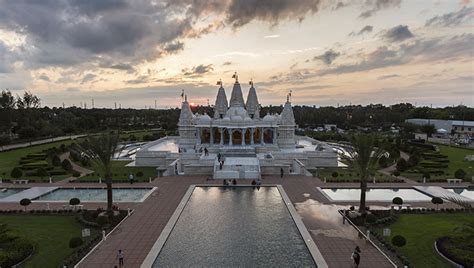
269	118
237	114
203	119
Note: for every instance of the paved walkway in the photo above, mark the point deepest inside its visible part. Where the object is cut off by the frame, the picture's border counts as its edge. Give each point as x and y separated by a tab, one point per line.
28	144
138	233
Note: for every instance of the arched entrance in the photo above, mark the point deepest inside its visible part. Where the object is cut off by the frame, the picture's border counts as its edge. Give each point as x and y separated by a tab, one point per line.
217	135
226	136
247	136
205	136
236	137
256	136
268	135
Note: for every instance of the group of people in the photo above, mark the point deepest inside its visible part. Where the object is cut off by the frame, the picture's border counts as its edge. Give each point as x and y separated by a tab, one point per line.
230	182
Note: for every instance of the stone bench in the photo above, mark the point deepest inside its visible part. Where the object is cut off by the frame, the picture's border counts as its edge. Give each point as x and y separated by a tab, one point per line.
20	181
454	180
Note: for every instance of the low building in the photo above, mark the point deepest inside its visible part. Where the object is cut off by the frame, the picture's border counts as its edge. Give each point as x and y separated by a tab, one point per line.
456	126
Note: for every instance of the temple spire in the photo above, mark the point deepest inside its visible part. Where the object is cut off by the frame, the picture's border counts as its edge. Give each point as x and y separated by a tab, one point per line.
253	107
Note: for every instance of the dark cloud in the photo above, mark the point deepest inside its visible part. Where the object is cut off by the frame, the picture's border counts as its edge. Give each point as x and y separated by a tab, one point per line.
373	6
198	70
327	57
241	12
88	78
453	18
174	47
383	77
340	5
72	32
419	51
397	34
139	80
122	66
44	78
227	63
365	29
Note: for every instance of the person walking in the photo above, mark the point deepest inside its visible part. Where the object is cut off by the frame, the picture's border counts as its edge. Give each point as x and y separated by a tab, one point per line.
281	172
120	257
356	256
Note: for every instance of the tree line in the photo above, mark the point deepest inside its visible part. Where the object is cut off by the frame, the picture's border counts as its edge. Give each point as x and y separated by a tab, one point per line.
23	118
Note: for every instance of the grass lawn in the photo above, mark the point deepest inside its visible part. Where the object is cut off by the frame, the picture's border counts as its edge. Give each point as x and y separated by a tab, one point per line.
10	159
50	235
121	172
456	158
421	231
346	174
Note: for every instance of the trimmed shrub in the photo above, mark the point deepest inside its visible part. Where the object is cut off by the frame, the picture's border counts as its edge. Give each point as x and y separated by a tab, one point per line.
56	161
41	172
66	165
75	242
74	201
396	173
16	173
139	174
437	201
402	165
25	202
460	174
335	174
371	218
399	241
76	174
102	220
397	201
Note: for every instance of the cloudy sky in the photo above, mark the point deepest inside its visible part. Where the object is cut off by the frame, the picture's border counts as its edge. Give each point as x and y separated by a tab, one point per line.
327	52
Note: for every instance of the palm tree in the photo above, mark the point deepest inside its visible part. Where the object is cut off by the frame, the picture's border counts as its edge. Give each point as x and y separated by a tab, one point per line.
362	158
101	150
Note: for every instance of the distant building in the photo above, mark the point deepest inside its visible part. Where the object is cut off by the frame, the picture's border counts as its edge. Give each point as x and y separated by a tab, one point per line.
458	126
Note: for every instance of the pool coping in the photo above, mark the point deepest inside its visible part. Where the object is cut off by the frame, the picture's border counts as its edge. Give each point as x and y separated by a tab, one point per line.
320	189
151	190
308	240
160	242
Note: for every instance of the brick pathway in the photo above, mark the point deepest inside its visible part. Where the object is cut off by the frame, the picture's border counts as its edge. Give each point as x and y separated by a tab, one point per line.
140	231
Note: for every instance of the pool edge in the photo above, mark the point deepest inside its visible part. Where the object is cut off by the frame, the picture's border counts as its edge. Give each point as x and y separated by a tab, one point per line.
313	249
160	242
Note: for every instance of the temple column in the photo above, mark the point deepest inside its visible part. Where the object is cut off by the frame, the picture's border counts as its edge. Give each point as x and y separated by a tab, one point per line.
198	135
251	135
243	136
261	136
212	135
231	132
222	136
274	136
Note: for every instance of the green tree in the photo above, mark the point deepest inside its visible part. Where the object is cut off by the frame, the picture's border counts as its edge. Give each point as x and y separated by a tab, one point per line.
363	158
428	129
16	173
101	150
460	174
